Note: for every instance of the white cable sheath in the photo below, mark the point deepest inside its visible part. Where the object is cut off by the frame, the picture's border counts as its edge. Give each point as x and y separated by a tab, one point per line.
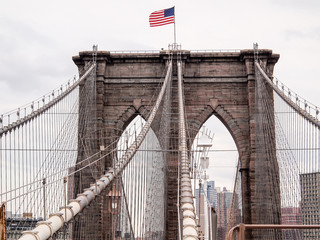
46	229
189	231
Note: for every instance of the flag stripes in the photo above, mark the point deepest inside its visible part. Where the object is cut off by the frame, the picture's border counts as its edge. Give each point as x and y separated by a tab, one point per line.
161	17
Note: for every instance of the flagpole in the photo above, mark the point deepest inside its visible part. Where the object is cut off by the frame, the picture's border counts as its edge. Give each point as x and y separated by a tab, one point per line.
175	37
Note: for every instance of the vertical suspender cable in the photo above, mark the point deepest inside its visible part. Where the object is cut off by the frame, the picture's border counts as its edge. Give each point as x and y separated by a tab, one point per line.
46	229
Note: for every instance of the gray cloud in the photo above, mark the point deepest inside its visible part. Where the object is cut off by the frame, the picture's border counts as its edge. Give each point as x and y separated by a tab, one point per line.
28	57
301	5
304	34
38	39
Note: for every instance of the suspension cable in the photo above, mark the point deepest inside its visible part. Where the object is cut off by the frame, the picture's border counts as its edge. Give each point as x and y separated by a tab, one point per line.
295	106
46	229
189	225
41	110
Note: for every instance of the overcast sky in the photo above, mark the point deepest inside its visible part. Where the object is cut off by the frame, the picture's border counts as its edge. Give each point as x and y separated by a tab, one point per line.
38	38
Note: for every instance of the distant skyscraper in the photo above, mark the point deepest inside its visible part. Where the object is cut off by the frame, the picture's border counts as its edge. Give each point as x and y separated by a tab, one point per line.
310	202
224	202
212	193
291	216
212	199
200	212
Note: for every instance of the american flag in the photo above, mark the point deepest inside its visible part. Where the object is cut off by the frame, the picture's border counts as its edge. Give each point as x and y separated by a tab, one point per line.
161	17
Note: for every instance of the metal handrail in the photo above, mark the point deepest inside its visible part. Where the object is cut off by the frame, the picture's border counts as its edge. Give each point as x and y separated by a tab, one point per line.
241	228
24	116
216	51
192	51
135	51
287	99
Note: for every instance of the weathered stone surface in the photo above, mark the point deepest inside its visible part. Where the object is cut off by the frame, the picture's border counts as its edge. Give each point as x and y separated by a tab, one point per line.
220	84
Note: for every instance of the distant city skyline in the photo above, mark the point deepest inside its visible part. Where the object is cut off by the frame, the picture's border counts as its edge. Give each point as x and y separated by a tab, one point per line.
220	198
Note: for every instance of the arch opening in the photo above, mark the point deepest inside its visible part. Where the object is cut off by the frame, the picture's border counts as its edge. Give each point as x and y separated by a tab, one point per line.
141	187
215	177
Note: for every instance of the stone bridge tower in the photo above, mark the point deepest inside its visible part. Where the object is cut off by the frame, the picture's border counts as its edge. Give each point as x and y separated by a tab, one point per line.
215	83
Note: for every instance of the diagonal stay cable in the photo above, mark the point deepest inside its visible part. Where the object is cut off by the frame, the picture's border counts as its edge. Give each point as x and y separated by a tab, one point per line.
46	229
41	110
296	107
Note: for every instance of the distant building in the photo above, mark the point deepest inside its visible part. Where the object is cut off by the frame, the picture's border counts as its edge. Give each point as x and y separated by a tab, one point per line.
27	215
291	216
16	225
221	201
212	193
224	202
212	199
310	203
200	211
